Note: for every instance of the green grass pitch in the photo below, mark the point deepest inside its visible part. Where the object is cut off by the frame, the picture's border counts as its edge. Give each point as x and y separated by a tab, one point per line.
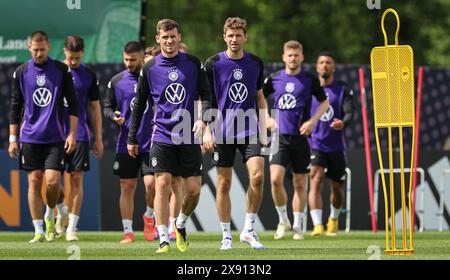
356	245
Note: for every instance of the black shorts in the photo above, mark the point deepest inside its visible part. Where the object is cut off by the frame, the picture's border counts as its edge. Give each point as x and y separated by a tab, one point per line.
41	156
127	167
334	163
79	159
293	150
178	160
224	154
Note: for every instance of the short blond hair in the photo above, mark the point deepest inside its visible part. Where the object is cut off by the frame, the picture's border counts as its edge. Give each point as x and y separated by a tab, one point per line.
293	44
235	23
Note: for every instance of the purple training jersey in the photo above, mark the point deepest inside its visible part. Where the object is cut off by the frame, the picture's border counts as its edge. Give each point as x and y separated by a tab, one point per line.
234	84
173	84
324	138
121	96
86	88
292	96
39	89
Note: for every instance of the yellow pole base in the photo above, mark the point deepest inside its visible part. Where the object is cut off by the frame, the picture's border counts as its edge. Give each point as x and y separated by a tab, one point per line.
400	252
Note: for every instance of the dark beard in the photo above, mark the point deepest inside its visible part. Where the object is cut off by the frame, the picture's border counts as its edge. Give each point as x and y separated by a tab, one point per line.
325	76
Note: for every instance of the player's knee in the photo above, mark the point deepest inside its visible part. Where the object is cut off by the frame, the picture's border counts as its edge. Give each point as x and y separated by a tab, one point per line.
257	178
53	186
77	177
224	186
36	179
276	183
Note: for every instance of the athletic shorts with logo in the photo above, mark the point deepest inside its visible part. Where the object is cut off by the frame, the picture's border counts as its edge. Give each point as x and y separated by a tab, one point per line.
127	167
178	160
293	151
41	156
334	163
78	160
224	154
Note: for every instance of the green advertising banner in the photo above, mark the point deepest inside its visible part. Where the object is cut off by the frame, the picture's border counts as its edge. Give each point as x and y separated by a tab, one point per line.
105	25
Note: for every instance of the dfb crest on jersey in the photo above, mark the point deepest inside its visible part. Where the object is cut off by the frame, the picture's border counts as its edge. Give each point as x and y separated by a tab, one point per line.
238	92
133	102
287	101
328	115
40	80
290	87
216	156
237	74
175	93
42	97
173	75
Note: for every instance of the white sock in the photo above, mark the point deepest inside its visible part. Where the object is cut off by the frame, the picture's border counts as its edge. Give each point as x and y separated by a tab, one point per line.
181	220
38	226
249	221
49	213
62	210
282	214
127	226
149	212
171	222
73	222
334	213
316	216
163	234
226	230
298	219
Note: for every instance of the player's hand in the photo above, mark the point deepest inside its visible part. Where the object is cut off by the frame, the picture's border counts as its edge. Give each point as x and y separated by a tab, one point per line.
208	141
198	128
70	144
97	149
13	150
306	128
118	118
133	150
271	124
337	124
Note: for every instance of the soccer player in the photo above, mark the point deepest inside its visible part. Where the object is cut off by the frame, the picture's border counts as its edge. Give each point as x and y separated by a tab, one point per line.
174	82
38	89
328	146
120	101
86	88
236	79
293	90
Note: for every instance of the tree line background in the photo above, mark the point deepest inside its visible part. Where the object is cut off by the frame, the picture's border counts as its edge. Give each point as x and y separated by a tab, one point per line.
346	27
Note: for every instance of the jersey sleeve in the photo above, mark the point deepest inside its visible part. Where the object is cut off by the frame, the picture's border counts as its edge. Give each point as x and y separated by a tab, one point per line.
16	106
143	91
110	103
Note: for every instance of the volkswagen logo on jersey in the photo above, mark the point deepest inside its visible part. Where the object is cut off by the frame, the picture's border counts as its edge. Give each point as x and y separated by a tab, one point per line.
40	80
290	87
173	75
42	97
328	115
238	92
175	93
133	102
287	101
237	74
